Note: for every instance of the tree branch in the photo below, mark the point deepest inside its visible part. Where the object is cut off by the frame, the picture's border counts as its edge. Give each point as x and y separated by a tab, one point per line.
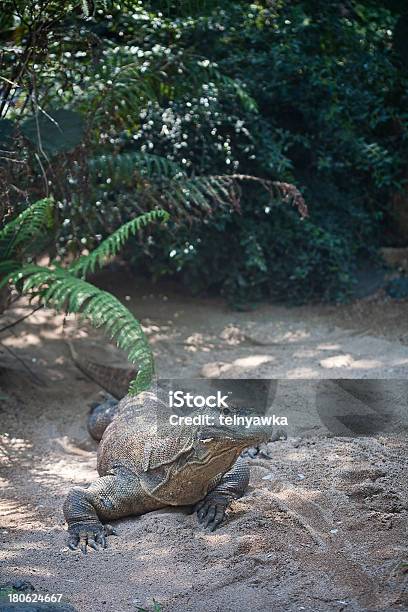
6	327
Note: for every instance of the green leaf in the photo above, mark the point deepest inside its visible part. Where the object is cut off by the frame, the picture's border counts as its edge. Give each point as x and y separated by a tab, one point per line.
61	290
58	131
115	242
29	227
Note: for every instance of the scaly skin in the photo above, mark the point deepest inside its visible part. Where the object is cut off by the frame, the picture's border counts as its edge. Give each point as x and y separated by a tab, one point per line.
115	380
144	468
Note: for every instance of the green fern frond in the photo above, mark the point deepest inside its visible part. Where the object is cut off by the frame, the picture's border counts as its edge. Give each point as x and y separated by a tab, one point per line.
248	102
165	182
32	224
63	291
229	84
125	91
114	243
8	267
203	192
125	167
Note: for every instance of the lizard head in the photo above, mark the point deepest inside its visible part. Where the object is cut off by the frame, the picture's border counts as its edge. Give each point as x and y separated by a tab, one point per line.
236	425
233	413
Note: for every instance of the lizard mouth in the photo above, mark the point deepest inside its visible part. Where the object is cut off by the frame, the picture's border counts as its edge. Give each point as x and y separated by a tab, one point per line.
245	436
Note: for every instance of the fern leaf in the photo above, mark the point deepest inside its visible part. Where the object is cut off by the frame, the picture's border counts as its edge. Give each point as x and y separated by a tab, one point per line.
163	182
123	167
34	222
168	184
63	291
8	267
115	242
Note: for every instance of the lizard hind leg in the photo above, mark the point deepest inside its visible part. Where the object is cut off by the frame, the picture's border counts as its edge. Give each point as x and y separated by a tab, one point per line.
100	416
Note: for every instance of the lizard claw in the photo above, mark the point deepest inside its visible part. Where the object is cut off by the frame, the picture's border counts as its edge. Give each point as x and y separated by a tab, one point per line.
211	512
82	535
110	530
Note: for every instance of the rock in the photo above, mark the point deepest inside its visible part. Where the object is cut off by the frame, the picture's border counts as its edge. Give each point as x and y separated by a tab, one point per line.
279	434
250	452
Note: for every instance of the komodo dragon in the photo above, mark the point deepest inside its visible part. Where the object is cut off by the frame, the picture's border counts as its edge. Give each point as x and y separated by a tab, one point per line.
143	467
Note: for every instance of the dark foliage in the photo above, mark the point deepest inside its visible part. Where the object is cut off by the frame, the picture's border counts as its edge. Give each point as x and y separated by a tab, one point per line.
164	103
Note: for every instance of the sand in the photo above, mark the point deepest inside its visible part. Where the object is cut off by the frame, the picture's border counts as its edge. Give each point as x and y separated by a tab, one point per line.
324	523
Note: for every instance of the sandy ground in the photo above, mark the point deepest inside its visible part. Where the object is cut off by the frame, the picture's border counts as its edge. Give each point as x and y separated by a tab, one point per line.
324	523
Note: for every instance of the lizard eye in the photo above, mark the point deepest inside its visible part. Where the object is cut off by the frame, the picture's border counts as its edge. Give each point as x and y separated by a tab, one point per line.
226	411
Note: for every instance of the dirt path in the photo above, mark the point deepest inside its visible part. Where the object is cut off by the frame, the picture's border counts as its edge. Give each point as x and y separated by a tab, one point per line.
324	524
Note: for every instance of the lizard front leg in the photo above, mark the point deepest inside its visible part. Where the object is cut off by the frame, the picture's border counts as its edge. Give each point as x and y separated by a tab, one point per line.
211	510
109	497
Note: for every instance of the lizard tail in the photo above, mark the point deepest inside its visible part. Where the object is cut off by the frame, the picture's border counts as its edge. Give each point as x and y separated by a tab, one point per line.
113	379
100	416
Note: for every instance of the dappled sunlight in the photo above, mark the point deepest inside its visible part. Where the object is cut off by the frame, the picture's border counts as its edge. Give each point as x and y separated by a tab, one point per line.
366	364
232	335
303	372
156	338
22	530
158	552
11	448
348	361
253	361
302	353
328	347
337	361
215	540
275	334
294	456
239	366
145	150
198	342
295	336
15	513
85	447
312	495
24	341
66	470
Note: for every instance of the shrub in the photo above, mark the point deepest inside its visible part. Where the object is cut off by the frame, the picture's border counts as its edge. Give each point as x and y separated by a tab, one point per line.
161	103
